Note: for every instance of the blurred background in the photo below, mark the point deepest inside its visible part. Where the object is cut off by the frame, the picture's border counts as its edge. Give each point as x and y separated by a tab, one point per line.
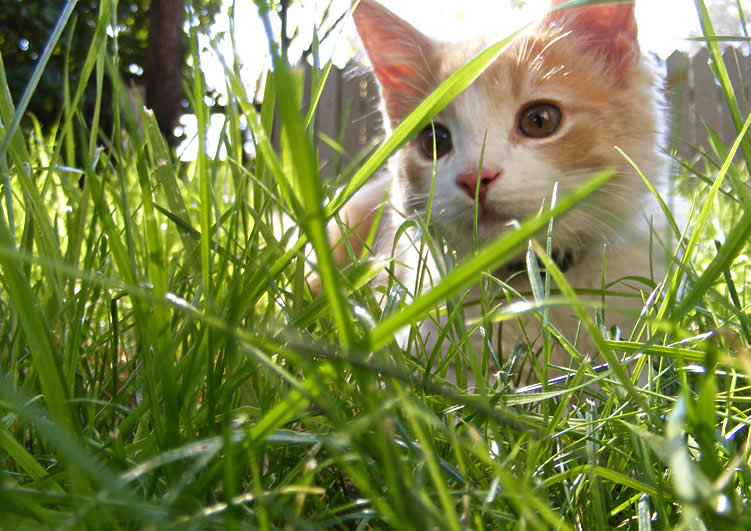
153	39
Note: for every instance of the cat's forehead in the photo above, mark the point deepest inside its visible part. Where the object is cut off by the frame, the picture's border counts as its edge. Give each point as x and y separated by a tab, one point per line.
539	59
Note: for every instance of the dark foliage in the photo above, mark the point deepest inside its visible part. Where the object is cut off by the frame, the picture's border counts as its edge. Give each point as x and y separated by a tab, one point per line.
25	26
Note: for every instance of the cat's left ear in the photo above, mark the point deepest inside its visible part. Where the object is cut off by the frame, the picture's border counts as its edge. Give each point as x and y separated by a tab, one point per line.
398	54
609	28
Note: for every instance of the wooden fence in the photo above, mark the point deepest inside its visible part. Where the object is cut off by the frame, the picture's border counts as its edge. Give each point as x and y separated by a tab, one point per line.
348	114
696	98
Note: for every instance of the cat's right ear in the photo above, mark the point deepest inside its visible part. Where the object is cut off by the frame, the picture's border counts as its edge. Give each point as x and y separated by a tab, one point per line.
610	28
398	53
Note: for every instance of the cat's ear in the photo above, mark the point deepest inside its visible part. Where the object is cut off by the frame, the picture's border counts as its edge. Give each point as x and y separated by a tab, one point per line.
398	54
609	28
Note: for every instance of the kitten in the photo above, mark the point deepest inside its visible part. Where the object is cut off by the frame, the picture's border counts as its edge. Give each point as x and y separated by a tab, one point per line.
550	109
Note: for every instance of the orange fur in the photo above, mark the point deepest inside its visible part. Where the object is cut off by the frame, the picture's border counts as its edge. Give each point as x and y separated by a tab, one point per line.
586	63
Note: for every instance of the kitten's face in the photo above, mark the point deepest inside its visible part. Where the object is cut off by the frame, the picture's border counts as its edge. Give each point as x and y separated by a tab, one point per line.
549	110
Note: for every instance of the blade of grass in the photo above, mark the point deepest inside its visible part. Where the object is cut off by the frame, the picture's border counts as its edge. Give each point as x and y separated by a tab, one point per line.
721	73
487	259
308	181
601	345
434	469
41	64
734	244
420	117
22	458
37	331
73	455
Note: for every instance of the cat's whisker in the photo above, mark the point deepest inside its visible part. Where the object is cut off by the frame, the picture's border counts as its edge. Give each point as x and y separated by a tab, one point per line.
539	61
560	71
522	57
553	72
429	75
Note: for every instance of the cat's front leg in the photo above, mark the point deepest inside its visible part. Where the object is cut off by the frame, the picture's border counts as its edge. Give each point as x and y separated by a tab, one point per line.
353	224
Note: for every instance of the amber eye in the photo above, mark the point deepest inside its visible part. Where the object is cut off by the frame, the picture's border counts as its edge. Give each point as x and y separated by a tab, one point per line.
539	120
435	134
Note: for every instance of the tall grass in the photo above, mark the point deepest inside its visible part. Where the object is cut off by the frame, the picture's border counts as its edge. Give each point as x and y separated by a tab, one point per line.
164	364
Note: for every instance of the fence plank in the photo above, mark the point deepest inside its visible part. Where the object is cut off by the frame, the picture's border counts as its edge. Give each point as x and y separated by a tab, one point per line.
678	96
328	121
727	132
351	105
372	113
733	65
360	100
706	98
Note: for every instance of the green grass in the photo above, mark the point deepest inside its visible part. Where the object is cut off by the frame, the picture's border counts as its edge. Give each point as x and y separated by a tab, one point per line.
163	365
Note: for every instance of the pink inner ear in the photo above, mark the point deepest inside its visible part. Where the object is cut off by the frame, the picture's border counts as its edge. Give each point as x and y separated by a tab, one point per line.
397	77
611	27
397	52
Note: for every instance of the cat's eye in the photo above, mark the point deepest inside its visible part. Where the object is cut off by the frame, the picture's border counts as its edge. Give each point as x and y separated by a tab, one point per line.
435	136
539	120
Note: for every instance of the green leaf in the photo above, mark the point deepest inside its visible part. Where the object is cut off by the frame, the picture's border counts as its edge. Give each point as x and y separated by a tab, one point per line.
487	259
420	117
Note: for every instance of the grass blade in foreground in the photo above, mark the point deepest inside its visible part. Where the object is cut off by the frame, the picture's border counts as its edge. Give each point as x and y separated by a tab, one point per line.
733	246
308	181
420	117
41	64
294	440
718	66
487	259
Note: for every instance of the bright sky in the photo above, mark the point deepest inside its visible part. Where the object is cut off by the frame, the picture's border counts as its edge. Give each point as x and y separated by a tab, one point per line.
663	27
663	24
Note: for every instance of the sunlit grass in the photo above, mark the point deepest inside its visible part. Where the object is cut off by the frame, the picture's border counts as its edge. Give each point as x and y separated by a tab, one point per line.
164	364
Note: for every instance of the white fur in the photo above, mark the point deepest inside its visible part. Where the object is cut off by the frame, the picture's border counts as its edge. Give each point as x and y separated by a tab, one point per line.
483	122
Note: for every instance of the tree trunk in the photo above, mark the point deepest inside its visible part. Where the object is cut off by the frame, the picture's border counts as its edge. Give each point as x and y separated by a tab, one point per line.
164	61
283	16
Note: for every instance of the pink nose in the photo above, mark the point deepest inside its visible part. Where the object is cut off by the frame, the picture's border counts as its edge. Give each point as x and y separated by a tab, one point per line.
469	185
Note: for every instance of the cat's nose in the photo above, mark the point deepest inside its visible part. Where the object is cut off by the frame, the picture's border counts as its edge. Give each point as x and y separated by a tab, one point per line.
467	182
